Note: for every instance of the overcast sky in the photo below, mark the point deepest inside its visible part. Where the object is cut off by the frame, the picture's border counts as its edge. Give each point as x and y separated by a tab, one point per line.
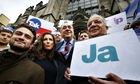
13	8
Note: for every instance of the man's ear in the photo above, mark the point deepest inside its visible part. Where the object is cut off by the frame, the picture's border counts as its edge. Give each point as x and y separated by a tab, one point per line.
107	28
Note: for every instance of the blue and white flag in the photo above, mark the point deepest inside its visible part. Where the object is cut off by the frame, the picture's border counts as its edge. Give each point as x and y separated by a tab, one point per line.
9	28
137	31
133	11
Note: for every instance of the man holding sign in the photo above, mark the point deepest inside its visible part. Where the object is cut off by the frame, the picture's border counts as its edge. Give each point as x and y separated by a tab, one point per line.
97	27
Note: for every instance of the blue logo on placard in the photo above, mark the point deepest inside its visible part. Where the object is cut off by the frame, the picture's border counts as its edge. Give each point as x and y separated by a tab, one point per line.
34	23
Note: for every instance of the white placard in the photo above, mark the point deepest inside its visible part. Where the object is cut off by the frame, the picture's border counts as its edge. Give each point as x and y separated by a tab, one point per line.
117	53
116	22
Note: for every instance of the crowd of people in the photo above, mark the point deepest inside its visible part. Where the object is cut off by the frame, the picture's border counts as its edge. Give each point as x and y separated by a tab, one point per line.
23	60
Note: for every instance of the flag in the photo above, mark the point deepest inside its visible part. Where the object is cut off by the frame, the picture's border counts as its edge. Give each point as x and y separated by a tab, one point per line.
133	11
41	26
137	31
8	28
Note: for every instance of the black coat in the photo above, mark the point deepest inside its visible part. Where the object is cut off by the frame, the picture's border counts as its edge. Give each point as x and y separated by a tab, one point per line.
62	63
18	69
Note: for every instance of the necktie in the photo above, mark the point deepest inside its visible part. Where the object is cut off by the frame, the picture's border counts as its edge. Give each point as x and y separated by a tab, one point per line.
66	49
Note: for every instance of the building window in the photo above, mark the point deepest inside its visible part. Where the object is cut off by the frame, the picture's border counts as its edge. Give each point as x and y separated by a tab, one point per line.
76	3
81	1
89	12
68	16
88	5
95	10
81	4
87	2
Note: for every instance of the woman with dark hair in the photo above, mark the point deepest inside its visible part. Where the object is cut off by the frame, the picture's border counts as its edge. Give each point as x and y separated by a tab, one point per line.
42	53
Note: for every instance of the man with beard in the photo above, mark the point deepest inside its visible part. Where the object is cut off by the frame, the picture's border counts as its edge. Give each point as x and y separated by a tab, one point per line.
15	67
5	36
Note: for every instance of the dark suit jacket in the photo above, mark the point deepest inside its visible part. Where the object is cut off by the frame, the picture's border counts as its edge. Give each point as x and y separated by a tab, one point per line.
63	63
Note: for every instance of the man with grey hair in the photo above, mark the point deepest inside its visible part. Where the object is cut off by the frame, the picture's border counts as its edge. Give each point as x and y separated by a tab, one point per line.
97	27
64	51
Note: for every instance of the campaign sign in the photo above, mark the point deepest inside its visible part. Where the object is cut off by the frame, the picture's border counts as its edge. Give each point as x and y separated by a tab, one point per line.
35	23
117	53
116	22
41	26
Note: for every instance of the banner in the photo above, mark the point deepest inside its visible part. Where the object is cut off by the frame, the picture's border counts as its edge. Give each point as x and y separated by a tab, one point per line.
137	31
133	11
117	53
9	28
116	22
41	26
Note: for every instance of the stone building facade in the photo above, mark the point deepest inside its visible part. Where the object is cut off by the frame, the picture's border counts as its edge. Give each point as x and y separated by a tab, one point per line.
4	20
77	10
